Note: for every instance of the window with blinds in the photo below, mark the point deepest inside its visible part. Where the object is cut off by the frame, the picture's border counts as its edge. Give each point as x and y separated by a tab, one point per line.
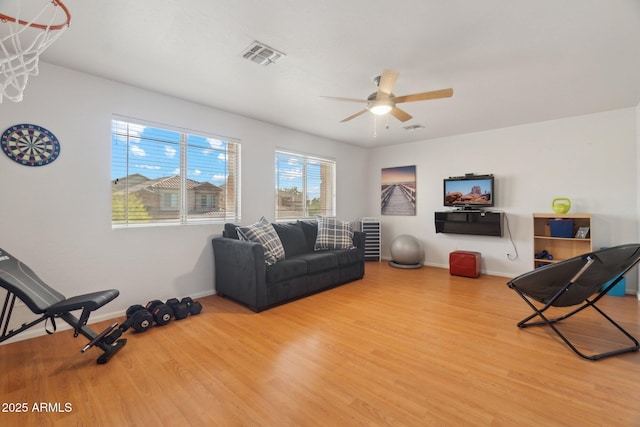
305	186
161	175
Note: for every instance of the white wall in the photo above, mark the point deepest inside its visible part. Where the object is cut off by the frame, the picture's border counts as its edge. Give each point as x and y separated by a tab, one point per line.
590	159
57	218
638	173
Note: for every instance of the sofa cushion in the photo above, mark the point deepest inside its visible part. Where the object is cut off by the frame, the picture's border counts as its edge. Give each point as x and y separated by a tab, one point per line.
292	238
285	270
310	229
263	232
348	256
318	262
333	234
230	231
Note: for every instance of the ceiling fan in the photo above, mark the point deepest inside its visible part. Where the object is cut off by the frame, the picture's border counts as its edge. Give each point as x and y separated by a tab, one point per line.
384	101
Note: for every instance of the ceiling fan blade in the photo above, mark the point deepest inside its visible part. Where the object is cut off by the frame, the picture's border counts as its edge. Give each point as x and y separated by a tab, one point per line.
344	99
353	116
386	84
424	96
399	114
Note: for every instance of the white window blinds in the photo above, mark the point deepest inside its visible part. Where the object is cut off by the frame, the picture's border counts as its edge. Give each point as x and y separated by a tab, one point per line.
161	175
305	186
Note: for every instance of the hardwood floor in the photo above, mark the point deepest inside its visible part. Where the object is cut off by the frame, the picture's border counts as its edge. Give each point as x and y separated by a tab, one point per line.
400	348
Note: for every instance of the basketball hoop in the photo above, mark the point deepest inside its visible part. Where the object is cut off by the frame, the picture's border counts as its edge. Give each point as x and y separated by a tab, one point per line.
25	33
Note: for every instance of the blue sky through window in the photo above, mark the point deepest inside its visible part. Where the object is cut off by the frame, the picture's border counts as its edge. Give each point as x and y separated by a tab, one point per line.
291	174
155	153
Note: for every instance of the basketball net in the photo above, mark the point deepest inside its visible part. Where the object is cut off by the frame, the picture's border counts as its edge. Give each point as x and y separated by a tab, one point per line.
24	34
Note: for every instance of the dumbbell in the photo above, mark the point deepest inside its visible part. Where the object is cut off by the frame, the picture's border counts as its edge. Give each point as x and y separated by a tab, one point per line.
138	317
194	306
161	312
179	308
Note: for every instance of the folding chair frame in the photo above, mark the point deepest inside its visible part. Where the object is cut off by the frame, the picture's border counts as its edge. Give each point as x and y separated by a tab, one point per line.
539	312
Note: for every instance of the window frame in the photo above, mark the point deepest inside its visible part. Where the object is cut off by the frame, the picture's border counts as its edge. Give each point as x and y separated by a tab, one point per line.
188	207
307	160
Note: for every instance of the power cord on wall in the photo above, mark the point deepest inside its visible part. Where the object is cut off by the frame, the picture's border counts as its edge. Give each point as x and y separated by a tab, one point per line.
514	256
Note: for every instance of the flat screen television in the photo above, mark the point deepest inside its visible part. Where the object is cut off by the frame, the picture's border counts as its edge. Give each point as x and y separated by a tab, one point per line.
469	191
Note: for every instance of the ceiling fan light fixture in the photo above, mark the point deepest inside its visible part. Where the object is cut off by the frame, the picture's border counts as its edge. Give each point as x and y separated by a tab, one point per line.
380	107
383	101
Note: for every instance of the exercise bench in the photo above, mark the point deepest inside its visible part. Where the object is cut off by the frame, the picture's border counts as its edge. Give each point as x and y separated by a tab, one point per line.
22	283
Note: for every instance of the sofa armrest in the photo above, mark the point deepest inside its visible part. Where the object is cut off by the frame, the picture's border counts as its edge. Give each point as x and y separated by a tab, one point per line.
359	239
240	271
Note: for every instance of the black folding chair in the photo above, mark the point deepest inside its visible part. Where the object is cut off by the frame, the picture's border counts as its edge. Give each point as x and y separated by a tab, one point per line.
22	283
575	281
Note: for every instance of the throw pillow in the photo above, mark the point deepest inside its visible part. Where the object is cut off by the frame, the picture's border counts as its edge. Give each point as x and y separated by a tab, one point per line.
263	232
310	229
333	234
292	238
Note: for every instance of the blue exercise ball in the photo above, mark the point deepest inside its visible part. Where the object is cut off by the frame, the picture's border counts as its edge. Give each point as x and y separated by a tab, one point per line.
407	250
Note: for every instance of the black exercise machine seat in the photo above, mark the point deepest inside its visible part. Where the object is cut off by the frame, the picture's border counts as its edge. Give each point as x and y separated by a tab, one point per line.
90	302
23	283
575	281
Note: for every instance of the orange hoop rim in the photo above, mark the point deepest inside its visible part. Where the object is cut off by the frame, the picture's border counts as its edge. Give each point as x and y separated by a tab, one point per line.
5	18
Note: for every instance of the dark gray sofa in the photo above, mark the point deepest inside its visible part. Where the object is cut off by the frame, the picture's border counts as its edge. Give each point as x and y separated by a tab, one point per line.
242	275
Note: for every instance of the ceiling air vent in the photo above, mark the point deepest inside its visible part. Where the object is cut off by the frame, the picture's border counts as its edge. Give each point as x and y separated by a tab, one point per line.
262	54
411	128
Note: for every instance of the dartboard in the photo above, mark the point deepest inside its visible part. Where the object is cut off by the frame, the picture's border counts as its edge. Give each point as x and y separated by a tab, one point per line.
30	145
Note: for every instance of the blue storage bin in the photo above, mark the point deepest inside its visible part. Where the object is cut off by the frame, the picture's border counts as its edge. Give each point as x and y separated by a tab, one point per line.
619	290
561	227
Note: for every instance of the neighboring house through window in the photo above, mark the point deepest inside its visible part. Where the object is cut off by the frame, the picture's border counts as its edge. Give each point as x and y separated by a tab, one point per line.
305	186
170	199
161	175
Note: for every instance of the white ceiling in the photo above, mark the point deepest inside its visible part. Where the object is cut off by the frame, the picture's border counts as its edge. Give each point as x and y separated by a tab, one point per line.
509	62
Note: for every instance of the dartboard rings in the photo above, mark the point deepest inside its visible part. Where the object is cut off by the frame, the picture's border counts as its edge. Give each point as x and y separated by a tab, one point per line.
30	145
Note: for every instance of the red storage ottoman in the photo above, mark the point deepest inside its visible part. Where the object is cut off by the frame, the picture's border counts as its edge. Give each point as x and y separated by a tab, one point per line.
464	263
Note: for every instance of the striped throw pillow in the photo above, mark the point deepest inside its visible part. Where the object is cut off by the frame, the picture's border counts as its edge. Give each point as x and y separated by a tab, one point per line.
333	234
263	232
